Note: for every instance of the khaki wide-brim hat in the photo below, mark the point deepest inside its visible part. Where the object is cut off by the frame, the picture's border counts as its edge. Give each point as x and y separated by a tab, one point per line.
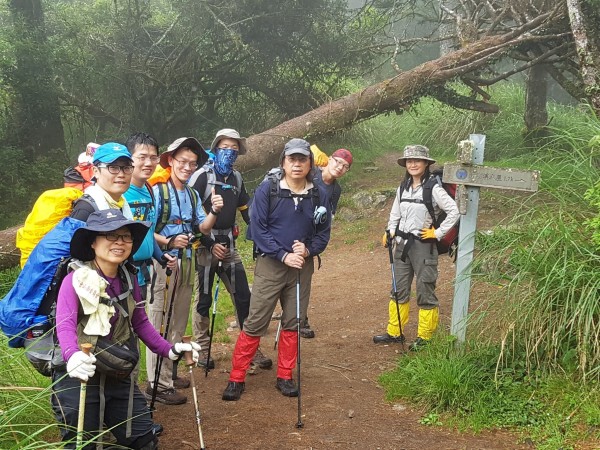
189	142
231	134
415	152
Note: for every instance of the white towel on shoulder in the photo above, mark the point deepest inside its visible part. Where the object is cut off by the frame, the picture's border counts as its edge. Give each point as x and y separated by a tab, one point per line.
90	287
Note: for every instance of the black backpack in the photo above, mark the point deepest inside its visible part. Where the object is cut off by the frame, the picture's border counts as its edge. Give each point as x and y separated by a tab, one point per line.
449	243
273	177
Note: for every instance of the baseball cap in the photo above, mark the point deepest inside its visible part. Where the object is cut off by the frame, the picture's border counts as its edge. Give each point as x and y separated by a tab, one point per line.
110	152
297	146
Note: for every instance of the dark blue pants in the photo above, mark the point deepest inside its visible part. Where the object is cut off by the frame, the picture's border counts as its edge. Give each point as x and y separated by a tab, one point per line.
65	403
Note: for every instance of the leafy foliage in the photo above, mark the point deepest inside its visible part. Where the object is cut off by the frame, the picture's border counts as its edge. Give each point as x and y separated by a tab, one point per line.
23	179
170	67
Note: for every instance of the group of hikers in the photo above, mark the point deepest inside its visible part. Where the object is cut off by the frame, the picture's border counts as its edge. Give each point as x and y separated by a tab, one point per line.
176	225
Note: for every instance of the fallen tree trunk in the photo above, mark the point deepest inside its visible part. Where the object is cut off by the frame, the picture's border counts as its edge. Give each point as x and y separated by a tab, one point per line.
9	254
395	94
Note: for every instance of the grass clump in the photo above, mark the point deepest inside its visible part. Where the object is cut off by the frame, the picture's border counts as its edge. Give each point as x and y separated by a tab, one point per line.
465	389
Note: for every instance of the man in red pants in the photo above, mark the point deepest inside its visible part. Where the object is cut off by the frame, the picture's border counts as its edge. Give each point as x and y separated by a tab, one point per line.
290	225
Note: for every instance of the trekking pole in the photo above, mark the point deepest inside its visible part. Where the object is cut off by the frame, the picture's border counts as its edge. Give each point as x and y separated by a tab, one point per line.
85	348
299	424
391	253
189	361
164	330
214	314
277	335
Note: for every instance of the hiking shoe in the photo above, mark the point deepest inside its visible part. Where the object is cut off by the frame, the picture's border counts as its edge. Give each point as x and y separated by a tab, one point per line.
287	387
418	345
181	383
233	391
261	360
202	360
307	333
158	429
388	339
167	397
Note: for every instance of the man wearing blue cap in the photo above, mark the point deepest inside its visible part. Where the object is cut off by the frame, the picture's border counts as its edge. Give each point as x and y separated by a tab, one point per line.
113	167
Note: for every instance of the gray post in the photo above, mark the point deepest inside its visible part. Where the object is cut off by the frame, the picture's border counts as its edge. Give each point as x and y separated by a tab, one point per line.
466	246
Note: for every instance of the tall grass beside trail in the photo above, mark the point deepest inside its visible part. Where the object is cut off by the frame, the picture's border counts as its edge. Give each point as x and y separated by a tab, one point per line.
463	388
549	309
26	419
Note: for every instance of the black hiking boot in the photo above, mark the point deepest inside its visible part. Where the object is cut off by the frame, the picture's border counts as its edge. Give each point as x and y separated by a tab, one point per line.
233	391
287	387
388	339
306	331
418	345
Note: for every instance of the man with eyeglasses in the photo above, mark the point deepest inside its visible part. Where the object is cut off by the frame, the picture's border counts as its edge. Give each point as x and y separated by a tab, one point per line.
332	168
144	151
180	218
113	168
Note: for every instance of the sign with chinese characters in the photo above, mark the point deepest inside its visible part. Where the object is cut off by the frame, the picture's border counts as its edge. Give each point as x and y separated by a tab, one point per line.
493	177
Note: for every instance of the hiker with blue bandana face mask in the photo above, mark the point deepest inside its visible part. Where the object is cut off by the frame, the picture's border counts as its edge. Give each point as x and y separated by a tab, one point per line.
217	253
225	157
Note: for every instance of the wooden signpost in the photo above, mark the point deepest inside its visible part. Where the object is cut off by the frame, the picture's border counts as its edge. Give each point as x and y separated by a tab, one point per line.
469	175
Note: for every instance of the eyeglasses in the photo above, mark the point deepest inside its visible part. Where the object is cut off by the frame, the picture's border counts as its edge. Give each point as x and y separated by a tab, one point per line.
191	164
143	158
115	168
114	237
341	163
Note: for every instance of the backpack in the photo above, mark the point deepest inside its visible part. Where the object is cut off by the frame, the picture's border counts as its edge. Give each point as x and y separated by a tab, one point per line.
449	243
164	211
273	177
211	180
49	208
79	176
20	308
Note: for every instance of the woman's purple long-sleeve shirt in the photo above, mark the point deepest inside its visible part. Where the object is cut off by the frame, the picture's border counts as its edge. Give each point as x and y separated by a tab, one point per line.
67	308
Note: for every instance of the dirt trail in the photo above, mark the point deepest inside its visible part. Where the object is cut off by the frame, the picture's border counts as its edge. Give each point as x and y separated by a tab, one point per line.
343	406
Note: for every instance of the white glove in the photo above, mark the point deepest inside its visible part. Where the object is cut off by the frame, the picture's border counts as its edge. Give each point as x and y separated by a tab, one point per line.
178	349
81	366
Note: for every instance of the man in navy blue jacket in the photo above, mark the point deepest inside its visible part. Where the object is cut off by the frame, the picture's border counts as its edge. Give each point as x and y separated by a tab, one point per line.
289	229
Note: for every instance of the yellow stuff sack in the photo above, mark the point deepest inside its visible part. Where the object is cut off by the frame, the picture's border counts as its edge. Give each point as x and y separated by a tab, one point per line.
50	207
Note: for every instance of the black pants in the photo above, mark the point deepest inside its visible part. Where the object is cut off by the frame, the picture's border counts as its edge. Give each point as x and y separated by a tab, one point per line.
241	297
65	403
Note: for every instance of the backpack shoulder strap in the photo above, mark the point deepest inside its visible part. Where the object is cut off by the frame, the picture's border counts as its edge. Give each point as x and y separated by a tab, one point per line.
164	205
428	196
194	196
238	179
151	191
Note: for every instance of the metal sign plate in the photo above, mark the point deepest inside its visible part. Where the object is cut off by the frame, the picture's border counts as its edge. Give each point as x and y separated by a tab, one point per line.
493	177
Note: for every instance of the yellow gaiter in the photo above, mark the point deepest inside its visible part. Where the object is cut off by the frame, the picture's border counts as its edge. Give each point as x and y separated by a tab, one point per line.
392	328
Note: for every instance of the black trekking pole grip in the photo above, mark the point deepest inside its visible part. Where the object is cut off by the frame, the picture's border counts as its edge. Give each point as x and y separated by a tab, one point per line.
388	237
